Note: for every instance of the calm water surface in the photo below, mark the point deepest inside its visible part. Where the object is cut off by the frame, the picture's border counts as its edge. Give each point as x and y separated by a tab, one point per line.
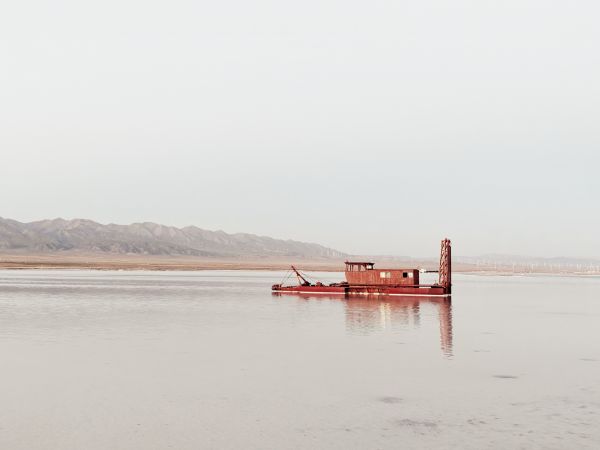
145	360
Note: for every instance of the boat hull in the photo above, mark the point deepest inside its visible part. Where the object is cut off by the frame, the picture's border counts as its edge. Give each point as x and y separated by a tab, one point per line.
425	291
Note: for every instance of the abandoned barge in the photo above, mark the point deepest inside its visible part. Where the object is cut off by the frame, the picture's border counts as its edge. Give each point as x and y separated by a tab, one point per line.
363	279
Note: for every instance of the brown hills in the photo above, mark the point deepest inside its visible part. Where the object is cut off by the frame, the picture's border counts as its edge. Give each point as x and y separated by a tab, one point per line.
85	236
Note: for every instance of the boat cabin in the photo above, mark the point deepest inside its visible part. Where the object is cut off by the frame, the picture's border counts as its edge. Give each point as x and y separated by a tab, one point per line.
358	272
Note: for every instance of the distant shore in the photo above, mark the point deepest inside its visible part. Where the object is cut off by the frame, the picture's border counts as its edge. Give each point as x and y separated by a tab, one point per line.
157	263
168	263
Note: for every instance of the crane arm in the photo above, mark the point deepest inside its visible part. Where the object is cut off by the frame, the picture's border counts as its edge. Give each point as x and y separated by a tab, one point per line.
304	281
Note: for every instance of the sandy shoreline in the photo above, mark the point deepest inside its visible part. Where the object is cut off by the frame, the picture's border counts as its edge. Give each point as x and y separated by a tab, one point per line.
158	263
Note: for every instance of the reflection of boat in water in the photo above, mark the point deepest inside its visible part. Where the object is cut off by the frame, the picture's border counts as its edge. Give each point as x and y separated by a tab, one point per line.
363	279
366	314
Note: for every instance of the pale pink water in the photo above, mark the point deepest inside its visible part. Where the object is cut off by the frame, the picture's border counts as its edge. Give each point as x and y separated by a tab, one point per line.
141	360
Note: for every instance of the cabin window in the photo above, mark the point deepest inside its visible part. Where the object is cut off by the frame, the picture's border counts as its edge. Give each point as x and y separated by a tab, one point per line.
410	274
385	274
404	274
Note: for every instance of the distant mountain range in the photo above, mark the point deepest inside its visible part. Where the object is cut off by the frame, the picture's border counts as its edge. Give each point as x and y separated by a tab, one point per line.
80	235
86	236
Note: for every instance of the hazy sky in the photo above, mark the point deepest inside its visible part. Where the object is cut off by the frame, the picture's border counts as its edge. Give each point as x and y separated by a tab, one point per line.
371	127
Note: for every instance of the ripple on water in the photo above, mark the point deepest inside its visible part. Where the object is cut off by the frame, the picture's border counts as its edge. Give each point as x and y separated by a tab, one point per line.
390	400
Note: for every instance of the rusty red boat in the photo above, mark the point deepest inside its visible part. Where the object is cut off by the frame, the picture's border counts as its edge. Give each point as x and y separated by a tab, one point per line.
363	279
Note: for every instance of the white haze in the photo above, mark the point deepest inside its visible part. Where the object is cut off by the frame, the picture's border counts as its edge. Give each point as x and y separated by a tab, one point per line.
370	127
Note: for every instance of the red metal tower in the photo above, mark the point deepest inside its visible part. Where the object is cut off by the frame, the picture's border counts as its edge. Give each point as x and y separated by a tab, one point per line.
445	279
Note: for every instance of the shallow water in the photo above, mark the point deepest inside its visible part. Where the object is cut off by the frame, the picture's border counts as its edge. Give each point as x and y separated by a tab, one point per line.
147	360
